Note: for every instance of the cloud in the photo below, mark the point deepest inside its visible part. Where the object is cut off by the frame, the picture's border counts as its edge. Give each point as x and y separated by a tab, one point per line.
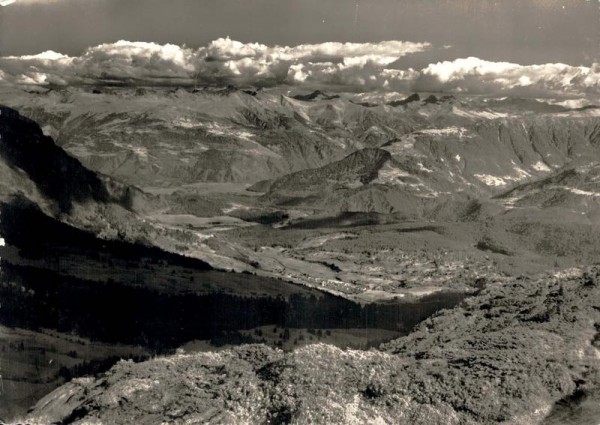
364	74
384	52
122	61
222	60
473	75
6	2
362	66
136	60
324	62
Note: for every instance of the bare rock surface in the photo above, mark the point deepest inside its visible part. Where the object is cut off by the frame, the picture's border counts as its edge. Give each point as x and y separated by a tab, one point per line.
506	355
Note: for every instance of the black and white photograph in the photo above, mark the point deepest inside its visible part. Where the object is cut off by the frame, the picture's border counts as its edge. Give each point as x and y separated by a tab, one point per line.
305	212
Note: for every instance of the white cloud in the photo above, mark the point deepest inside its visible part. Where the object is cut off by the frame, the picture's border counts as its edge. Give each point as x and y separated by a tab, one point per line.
473	75
384	52
122	60
364	75
223	59
326	62
367	66
6	2
137	60
49	55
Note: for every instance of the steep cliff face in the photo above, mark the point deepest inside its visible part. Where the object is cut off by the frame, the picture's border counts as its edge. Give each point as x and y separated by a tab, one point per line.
36	172
58	176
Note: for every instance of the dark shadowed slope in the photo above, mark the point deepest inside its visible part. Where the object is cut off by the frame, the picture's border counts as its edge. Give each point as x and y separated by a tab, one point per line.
504	356
59	176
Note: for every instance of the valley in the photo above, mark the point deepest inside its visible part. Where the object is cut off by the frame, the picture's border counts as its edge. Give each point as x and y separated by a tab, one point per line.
73	307
469	170
272	230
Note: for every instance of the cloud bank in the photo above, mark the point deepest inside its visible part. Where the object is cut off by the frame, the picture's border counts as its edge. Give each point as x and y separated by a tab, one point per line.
222	60
362	66
473	75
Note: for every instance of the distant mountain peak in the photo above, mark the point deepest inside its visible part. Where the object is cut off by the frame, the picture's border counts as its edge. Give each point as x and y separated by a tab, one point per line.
315	95
430	99
410	99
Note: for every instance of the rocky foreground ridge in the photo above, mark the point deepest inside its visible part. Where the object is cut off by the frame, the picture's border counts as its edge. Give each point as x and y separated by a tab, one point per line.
506	355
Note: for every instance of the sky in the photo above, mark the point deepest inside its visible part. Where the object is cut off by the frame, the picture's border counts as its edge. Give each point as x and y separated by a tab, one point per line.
521	31
473	39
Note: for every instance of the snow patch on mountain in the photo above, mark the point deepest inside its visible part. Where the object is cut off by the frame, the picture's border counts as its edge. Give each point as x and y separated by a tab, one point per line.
540	166
187	123
582	192
388	174
235	207
480	114
447	131
220	130
520	173
402	146
491	180
423	168
141	152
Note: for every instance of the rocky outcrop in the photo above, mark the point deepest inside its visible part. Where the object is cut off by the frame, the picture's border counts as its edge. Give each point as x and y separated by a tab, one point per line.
360	167
505	356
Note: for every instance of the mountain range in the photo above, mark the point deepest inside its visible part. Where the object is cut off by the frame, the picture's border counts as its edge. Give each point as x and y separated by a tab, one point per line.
362	198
